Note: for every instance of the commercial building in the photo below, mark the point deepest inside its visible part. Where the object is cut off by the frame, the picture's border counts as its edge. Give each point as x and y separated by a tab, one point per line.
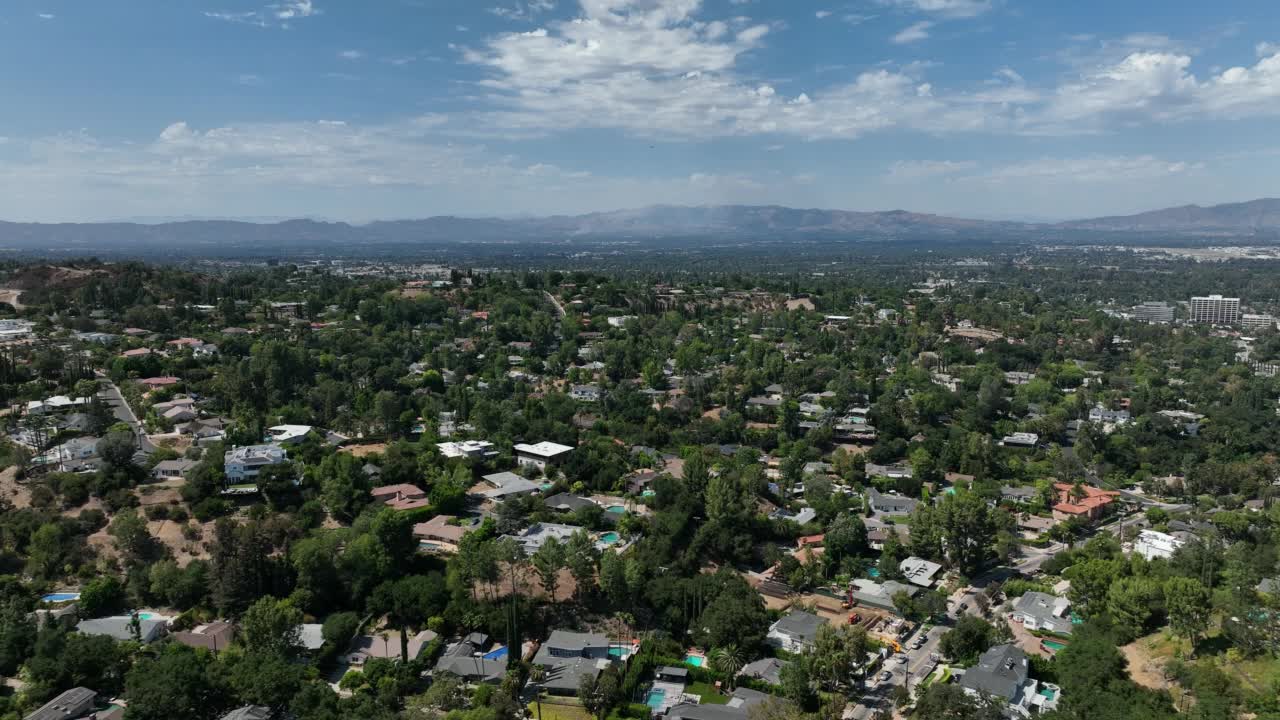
1257	322
1215	310
1153	312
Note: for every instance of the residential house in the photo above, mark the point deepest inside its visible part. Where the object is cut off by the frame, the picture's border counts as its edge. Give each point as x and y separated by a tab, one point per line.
214	636
156	383
311	637
401	497
122	627
739	707
1002	673
893	472
56	404
440	534
542	455
1152	544
1041	611
1021	494
179	414
919	571
890	503
880	595
536	535
795	631
1109	418
471	660
250	712
173	469
243	464
288	434
386	646
767	670
78	702
585	393
569	656
1088	503
566	503
1020	440
470	449
204	431
503	485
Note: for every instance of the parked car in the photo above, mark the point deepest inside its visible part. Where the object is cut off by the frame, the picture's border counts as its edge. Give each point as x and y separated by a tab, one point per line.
886	676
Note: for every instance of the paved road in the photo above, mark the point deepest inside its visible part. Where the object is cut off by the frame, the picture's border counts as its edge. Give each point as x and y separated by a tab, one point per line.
555	302
124	413
919	665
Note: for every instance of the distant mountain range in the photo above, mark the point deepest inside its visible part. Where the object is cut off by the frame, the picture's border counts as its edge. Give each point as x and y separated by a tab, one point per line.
1258	218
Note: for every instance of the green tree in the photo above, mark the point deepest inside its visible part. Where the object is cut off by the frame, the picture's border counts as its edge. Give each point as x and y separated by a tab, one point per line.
178	682
548	560
271	627
727	661
970	637
1187	602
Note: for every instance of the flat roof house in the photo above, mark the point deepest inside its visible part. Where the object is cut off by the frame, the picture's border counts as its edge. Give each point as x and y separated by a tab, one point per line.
1020	440
795	631
214	636
500	486
1152	544
1041	611
288	434
470	449
540	455
880	595
244	463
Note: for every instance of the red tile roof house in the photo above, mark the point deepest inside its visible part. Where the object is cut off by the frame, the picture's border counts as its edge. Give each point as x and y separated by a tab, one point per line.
810	540
1089	507
185	342
136	352
158	382
401	497
439	532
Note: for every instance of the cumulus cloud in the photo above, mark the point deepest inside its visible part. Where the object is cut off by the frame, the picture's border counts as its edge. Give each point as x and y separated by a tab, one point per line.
350	54
524	10
1091	170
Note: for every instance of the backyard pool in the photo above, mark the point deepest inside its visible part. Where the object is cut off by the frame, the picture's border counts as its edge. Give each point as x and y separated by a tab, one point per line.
695	660
655	697
60	597
1048	692
610	538
617	652
616	509
430	547
648	493
873	572
1053	645
496	654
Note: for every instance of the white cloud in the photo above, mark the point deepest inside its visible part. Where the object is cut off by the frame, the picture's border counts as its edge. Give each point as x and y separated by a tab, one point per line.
822	14
351	55
905	171
249	79
526	10
1093	169
913	33
279	14
944	8
46	16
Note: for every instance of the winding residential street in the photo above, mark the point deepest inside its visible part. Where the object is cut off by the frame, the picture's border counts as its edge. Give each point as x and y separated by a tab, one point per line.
120	407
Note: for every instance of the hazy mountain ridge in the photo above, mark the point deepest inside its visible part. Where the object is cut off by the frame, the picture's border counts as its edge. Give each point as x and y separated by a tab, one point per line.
748	222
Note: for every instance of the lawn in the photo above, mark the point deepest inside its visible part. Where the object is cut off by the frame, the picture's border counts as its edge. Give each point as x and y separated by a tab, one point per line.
559	712
709	694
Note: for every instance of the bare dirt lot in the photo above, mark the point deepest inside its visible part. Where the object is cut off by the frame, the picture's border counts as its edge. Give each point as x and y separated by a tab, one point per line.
12	490
365	449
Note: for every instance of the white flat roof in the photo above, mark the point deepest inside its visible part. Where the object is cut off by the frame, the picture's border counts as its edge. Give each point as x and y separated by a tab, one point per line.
543	449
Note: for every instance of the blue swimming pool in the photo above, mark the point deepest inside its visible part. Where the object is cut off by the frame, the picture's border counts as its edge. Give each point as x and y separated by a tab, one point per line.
695	660
496	654
655	697
60	597
617	652
610	538
616	509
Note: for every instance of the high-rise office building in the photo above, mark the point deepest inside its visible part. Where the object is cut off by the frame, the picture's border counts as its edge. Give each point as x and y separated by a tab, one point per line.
1153	312
1215	310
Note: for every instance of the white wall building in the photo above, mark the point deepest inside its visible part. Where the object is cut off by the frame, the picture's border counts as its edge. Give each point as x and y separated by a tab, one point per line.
1152	544
1215	310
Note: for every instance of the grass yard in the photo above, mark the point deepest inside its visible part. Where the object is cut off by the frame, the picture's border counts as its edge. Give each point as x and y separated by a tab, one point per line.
559	712
708	693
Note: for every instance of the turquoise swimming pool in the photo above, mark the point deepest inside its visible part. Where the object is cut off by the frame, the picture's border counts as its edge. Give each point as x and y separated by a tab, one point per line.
60	597
1053	645
617	652
695	660
1048	692
655	697
610	538
616	509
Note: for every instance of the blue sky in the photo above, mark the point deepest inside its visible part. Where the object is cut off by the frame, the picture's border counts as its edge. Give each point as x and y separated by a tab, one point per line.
363	109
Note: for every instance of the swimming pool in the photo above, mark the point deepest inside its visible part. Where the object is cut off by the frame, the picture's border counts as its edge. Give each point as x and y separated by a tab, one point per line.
147	616
610	538
496	654
648	493
655	697
1048	692
695	660
873	572
1053	645
617	652
428	546
60	597
616	509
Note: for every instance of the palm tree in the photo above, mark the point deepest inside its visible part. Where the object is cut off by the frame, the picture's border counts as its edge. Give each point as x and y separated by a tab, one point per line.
536	675
727	661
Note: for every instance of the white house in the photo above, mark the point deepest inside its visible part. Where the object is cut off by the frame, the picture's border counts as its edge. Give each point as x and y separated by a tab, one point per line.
541	455
1041	611
795	631
244	463
473	449
289	434
1152	544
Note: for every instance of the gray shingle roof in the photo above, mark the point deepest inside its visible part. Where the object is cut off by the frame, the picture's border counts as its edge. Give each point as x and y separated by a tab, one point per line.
999	672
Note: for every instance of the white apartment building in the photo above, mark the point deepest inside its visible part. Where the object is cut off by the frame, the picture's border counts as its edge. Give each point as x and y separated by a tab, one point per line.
1215	310
1152	544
